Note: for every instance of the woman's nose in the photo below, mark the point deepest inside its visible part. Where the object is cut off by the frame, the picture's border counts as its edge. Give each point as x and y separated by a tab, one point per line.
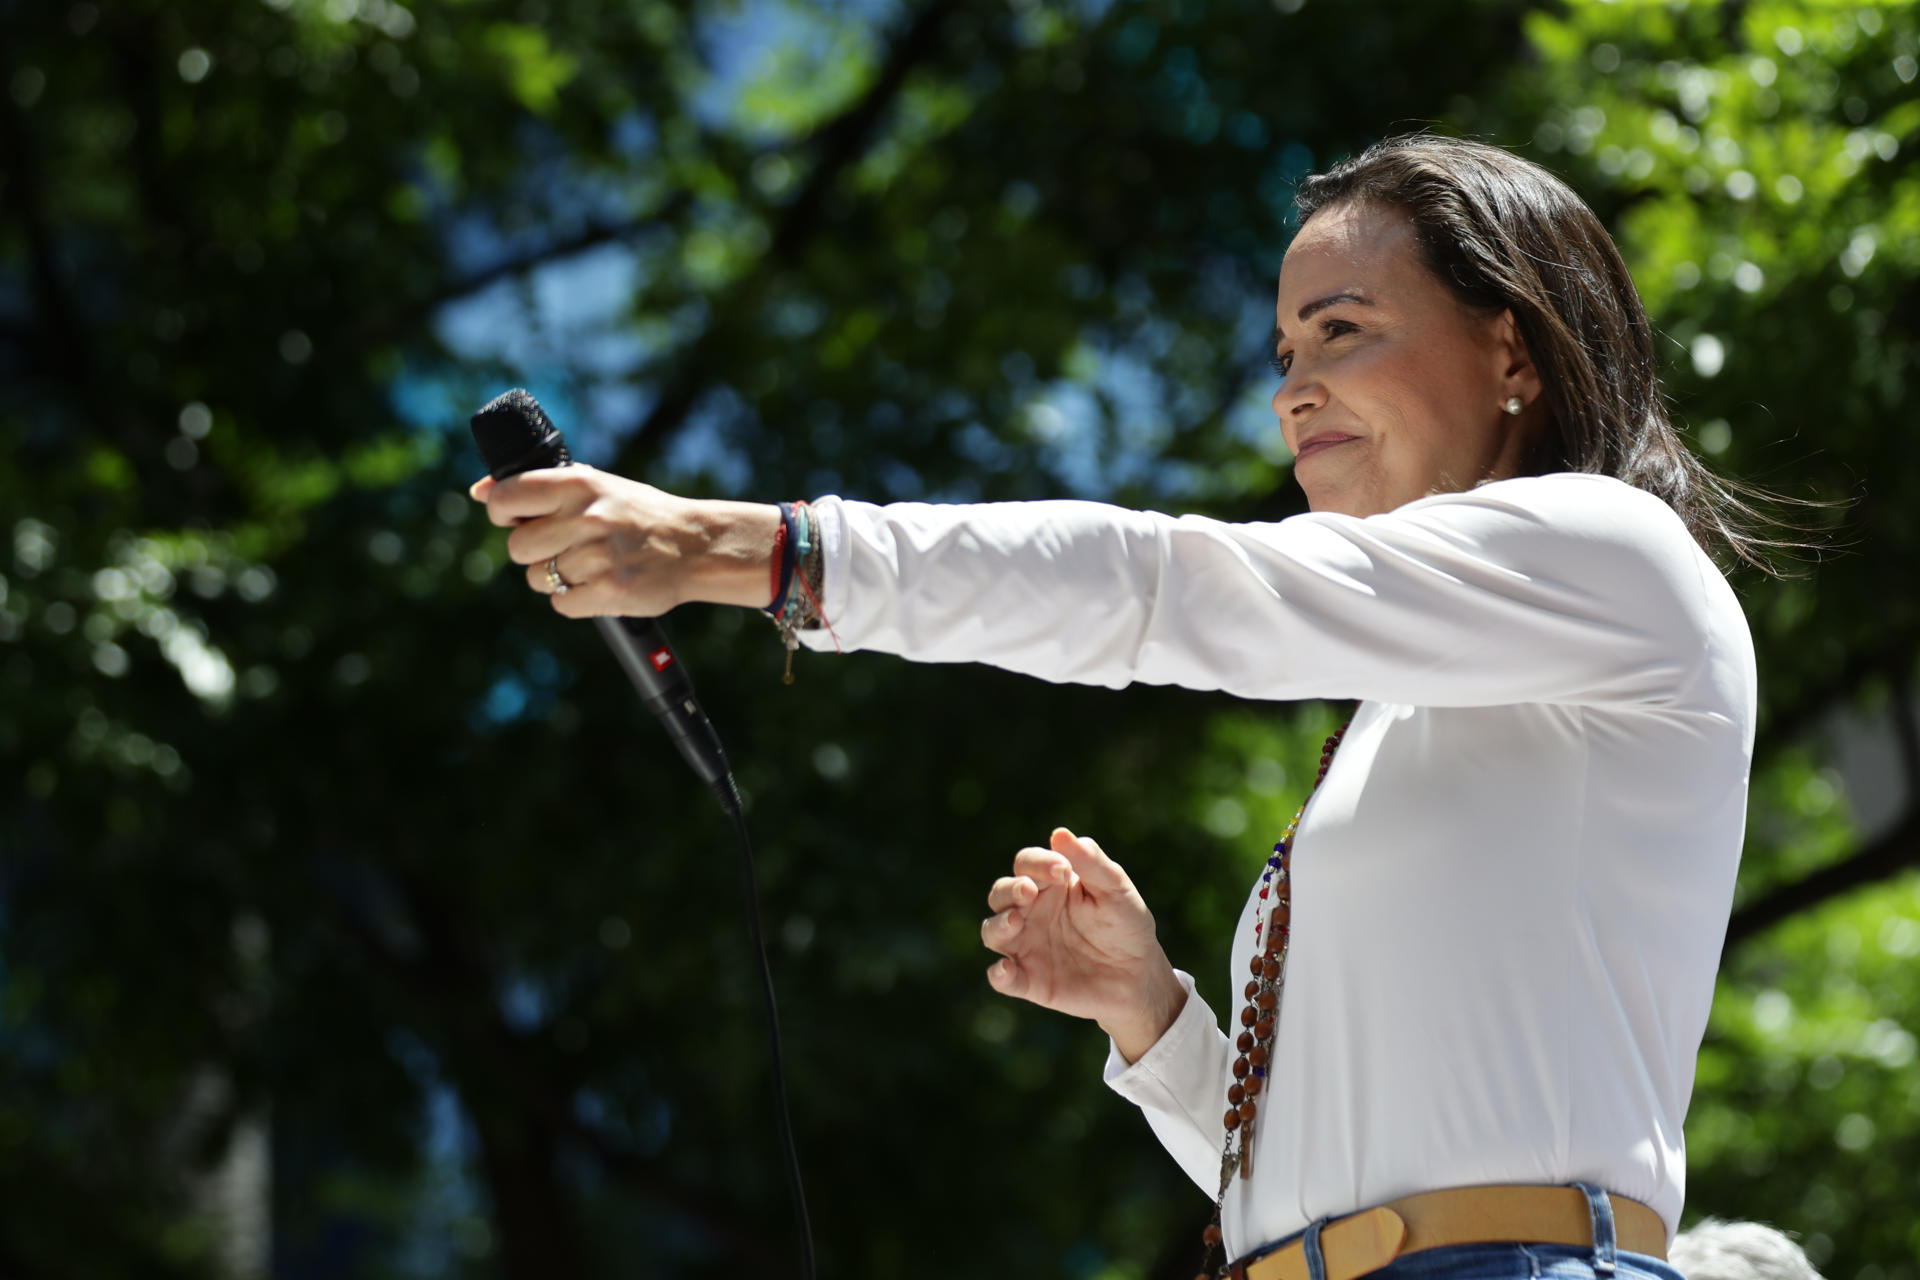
1300	392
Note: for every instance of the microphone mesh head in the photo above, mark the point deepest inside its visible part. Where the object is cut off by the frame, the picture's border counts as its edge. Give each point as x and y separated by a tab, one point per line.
514	435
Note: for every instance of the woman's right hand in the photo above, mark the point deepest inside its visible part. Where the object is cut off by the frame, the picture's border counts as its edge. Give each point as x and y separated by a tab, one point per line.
1076	937
626	548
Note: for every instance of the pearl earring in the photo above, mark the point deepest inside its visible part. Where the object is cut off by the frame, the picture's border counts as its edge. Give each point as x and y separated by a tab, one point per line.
1514	405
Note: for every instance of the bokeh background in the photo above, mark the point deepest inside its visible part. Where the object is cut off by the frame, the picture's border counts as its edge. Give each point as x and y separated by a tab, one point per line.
354	922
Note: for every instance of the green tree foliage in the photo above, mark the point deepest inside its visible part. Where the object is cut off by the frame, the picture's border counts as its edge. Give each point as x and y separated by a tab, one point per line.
314	814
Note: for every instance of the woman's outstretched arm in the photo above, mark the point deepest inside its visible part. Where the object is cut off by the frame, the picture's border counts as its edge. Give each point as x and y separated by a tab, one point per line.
1554	589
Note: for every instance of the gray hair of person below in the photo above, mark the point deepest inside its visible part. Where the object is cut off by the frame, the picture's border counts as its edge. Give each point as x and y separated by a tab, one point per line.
1716	1250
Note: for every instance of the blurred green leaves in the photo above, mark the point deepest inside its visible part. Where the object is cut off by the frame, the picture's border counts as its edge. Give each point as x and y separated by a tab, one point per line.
309	796
535	71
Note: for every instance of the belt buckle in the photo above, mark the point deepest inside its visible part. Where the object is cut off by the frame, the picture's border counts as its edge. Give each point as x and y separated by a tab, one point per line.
1362	1242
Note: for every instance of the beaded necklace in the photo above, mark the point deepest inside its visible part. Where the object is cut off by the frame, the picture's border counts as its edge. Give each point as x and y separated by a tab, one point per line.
1259	1020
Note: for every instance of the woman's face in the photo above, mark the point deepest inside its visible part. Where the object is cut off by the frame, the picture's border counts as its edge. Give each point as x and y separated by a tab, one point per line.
1391	389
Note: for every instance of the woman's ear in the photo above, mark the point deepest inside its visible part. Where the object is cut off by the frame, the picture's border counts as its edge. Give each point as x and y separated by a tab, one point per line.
1514	363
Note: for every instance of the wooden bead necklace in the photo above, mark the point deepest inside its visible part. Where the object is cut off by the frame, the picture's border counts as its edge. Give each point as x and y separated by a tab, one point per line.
1259	1020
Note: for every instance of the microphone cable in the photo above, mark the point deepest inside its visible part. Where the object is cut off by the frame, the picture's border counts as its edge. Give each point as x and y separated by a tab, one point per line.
514	434
750	896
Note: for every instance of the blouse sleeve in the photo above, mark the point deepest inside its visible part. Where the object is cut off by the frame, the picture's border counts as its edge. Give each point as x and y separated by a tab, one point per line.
1179	1084
1566	588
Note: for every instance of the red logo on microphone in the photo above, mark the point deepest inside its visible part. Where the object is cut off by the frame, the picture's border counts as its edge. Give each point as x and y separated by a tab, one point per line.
662	658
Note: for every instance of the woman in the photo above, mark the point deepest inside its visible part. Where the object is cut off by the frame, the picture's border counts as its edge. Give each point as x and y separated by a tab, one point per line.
1497	943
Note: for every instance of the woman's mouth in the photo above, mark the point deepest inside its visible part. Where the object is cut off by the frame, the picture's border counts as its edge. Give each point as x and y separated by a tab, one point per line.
1321	443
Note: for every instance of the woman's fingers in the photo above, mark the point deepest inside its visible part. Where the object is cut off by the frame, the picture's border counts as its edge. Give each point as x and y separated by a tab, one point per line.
1007	977
1097	872
537	540
602	597
510	501
1043	866
998	932
567	565
577	565
1011	891
533	494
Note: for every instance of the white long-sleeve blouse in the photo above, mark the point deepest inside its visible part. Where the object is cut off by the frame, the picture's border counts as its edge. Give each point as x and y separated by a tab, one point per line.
1510	892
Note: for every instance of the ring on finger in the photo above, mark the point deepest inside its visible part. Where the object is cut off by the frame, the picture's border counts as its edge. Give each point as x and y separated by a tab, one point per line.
559	584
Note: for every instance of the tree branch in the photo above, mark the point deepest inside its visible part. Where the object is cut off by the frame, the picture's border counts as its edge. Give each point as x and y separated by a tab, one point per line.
451	992
1906	731
1892	853
1896	851
132	38
1784	724
64	346
387	323
838	148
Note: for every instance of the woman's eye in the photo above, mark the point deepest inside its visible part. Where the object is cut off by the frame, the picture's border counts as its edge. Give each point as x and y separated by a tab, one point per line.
1329	329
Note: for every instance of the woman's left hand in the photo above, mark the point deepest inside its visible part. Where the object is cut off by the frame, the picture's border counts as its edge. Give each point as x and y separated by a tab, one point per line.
1078	938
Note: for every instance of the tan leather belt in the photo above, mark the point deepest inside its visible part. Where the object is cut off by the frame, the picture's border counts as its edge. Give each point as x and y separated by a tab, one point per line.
1368	1240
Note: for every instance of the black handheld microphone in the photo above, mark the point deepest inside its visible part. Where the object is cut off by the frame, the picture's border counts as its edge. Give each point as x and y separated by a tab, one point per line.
514	435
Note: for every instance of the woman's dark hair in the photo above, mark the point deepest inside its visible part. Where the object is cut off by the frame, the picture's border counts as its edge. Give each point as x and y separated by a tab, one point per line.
1505	234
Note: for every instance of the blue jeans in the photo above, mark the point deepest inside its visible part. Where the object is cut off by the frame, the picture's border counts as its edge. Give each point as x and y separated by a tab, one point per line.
1520	1262
1600	1261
